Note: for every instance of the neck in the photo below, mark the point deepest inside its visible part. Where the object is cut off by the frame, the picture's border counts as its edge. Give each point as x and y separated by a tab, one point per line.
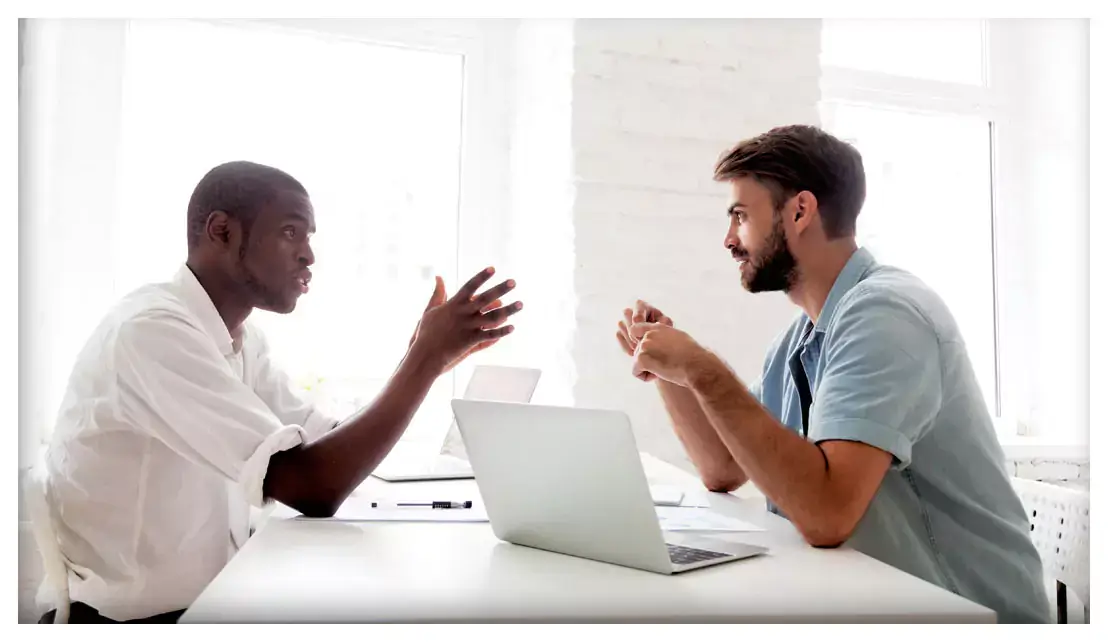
816	275
225	294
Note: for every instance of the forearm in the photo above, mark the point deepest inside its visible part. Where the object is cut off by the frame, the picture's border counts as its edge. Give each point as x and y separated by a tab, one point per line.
718	469
316	478
790	470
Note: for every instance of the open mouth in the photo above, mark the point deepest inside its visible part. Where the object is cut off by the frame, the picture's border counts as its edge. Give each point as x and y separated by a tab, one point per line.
302	281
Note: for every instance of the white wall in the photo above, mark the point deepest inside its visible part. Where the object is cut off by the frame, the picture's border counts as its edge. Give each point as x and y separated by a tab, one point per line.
541	251
655	103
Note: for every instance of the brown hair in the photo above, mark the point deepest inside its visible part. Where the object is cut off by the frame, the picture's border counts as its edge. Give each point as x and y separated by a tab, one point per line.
796	158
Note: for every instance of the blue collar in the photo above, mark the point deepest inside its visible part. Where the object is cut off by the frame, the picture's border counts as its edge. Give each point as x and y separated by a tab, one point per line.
859	264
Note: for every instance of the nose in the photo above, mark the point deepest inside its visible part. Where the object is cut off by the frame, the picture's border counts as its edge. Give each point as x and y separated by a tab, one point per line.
307	257
731	240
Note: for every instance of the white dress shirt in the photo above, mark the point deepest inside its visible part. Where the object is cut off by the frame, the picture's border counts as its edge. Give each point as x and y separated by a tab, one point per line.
161	447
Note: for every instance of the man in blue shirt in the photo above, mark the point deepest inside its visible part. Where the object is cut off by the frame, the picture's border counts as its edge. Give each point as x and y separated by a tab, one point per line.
868	426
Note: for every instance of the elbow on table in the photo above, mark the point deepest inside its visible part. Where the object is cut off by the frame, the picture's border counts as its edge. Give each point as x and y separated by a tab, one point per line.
316	502
303	484
721	484
828	534
316	509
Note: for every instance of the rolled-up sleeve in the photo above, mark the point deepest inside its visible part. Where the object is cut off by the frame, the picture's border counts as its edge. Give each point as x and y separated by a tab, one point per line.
173	383
881	383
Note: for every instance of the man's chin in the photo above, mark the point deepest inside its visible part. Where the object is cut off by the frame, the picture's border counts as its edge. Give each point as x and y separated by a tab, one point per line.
749	281
755	285
280	307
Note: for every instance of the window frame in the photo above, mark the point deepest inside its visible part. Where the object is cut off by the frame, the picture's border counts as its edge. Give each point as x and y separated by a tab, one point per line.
483	216
840	85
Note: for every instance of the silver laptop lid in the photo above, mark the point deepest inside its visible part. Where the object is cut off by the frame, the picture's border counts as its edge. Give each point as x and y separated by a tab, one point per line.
568	480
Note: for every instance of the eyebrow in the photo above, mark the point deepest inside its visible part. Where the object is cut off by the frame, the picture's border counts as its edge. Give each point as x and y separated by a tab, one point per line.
734	206
297	216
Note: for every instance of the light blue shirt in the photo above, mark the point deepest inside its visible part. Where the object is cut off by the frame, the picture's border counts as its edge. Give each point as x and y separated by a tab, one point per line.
887	366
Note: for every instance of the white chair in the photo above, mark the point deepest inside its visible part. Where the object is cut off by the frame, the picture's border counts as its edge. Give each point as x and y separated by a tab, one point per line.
53	563
1060	530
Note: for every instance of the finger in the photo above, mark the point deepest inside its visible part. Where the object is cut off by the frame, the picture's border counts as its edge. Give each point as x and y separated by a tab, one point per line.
484	344
652	314
466	292
664	320
639	315
500	315
625	344
641	369
627	335
639	330
438	297
492	306
627	317
482	300
496	333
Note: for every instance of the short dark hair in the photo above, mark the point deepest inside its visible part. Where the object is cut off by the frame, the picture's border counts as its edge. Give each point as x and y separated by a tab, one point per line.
239	188
795	158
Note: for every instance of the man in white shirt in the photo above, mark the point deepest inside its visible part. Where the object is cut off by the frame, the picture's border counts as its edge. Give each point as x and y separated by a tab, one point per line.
175	420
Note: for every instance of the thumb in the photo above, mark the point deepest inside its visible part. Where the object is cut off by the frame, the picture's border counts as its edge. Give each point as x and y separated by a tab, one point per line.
641	367
640	329
438	297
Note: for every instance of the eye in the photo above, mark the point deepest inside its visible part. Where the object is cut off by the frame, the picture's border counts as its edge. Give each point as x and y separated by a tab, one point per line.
290	233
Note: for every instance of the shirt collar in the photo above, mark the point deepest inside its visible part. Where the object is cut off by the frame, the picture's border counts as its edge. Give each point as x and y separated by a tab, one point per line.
856	267
199	303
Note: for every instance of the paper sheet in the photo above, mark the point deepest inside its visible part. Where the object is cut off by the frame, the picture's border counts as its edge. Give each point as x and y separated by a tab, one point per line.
681	518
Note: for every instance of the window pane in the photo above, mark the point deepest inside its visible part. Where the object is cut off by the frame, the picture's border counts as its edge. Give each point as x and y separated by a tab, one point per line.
372	132
945	50
929	210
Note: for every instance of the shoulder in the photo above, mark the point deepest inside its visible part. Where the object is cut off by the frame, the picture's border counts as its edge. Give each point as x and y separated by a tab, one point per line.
891	295
151	320
890	308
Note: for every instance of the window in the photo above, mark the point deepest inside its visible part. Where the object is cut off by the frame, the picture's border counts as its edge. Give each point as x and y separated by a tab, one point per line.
399	129
926	138
942	50
373	132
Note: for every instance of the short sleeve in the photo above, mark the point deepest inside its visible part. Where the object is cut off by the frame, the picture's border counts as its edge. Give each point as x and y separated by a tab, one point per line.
173	384
881	383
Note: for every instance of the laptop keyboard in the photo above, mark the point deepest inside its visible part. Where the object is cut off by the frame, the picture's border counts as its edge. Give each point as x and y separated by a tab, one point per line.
684	555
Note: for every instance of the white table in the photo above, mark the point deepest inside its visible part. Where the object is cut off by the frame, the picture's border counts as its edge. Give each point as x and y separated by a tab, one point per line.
327	571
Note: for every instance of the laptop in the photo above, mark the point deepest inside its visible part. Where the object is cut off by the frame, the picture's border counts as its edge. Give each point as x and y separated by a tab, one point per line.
570	481
497	383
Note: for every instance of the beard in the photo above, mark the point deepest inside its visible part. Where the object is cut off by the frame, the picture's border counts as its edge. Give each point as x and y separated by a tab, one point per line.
262	295
775	269
266	298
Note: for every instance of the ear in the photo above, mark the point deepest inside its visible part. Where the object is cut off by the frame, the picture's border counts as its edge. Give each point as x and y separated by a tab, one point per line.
221	229
802	210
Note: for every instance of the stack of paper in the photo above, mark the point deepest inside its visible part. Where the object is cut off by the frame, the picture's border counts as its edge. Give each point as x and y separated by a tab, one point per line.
681	518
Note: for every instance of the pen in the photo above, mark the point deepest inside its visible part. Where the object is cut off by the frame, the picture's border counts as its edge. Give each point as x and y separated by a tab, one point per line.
465	504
